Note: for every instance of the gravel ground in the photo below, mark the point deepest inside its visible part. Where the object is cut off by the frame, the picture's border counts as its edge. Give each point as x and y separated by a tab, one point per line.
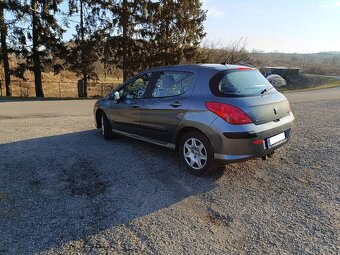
64	189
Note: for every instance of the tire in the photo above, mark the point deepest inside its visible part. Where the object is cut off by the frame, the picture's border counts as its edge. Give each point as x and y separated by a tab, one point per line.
106	127
196	153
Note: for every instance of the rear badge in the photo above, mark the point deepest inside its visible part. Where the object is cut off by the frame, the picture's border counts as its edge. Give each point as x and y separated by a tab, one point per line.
276	110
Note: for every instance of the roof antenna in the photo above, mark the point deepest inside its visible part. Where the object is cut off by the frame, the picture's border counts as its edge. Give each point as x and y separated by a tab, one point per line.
234	48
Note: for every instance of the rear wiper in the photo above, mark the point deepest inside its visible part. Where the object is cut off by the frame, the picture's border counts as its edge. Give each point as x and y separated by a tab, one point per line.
266	90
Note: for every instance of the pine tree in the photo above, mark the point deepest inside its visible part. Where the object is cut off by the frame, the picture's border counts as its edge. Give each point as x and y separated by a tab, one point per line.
13	7
121	45
45	34
149	33
178	30
83	50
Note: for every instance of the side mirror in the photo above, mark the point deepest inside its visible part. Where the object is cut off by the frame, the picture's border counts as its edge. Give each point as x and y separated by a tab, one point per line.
116	96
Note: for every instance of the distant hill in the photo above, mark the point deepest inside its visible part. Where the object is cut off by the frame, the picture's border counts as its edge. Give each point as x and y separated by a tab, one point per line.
316	63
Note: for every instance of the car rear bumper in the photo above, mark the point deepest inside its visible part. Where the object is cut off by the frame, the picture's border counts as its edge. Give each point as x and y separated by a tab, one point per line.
237	143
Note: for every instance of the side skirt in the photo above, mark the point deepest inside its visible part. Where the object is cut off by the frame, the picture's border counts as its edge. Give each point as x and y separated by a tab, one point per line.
145	139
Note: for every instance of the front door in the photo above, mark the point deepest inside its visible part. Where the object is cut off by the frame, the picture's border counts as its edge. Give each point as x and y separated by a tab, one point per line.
125	112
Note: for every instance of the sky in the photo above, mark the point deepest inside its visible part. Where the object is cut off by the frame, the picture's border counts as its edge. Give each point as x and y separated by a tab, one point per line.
290	26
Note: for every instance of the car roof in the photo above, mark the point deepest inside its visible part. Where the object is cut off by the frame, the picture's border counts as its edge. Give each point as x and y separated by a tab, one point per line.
217	67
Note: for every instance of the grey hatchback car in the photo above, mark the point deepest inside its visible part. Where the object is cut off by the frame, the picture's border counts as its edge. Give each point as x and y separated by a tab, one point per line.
209	113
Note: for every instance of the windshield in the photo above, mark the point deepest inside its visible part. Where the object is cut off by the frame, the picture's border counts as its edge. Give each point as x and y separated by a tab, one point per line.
243	83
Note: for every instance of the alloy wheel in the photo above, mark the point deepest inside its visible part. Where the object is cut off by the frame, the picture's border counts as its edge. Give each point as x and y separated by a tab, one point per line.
195	154
103	126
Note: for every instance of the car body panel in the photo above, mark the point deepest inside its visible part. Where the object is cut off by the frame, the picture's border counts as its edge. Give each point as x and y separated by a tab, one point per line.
124	116
168	117
156	121
161	116
224	146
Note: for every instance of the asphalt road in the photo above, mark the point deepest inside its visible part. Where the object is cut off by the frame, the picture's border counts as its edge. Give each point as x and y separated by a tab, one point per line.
64	189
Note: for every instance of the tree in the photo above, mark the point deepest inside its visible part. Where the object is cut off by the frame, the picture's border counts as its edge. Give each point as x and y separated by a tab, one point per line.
119	44
146	33
178	31
11	6
216	52
83	50
3	30
46	37
44	32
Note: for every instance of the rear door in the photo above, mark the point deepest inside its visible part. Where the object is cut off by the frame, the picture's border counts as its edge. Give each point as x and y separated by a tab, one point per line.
125	112
165	105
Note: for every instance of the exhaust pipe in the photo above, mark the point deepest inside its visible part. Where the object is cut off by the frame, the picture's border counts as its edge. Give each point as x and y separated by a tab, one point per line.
269	155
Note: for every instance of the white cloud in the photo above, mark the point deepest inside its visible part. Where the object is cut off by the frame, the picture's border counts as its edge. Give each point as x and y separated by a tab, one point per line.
333	4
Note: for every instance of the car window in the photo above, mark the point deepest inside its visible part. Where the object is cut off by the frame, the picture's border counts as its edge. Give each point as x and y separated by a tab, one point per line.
136	88
243	83
172	83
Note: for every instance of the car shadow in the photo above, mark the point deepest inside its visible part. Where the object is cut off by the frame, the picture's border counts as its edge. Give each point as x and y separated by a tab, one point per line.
68	187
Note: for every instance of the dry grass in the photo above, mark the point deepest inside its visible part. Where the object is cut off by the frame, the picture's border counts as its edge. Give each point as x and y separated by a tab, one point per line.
311	82
323	86
63	85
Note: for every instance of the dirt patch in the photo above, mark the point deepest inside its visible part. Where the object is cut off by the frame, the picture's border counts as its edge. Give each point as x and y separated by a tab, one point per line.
6	204
4	196
86	181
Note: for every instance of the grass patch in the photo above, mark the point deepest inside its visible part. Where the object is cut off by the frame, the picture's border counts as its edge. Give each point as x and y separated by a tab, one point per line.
310	82
324	86
4	196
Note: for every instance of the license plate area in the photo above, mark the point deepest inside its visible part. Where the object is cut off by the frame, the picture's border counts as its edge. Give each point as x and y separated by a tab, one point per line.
276	139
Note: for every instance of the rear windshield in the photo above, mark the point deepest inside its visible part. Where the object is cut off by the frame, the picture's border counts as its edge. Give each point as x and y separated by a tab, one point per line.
239	83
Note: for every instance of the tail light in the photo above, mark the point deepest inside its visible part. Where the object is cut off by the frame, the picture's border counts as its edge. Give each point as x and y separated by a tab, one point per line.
290	107
229	113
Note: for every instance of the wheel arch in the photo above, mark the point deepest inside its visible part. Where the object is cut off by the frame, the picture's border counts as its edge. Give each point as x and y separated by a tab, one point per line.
185	130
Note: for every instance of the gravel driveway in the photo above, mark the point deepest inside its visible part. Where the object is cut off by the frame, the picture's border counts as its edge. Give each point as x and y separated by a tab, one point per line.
64	189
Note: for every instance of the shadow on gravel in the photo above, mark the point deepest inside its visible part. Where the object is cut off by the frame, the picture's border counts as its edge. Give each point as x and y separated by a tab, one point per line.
69	187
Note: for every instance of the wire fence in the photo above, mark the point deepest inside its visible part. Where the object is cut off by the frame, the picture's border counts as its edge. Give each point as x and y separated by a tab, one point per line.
57	89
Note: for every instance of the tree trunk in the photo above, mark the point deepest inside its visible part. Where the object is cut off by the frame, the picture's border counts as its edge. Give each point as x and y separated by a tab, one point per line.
83	47
167	36
125	20
36	58
3	28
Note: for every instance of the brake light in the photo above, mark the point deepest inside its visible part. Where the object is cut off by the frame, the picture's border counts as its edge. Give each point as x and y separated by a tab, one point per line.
229	113
290	107
244	68
257	142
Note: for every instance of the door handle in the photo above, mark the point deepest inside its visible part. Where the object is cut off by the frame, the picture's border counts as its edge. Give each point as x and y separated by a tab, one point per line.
175	104
135	105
